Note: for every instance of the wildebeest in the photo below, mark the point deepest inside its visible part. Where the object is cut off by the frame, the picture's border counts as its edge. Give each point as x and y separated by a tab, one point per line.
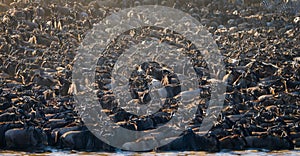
268	142
83	140
192	142
58	132
232	142
5	117
5	127
28	138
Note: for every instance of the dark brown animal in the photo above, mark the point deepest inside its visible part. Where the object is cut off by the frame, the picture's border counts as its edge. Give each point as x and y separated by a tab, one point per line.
4	128
79	140
268	142
28	138
58	132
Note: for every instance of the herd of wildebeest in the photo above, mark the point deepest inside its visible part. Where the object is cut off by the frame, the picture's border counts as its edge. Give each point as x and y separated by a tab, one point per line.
258	39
